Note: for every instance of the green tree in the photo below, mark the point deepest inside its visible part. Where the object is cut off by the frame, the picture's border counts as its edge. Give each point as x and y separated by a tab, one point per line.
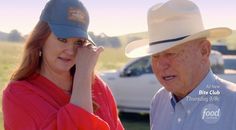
14	36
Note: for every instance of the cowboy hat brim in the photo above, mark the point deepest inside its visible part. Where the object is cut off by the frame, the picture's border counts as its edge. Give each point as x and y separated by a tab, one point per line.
142	48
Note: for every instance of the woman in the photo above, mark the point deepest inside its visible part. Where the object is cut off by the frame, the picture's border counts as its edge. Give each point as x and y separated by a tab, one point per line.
54	87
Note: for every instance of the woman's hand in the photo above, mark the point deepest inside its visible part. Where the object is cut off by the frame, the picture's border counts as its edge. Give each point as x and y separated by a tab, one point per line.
86	58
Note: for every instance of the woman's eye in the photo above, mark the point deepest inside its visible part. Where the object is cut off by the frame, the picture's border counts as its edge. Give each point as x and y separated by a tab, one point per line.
79	42
64	40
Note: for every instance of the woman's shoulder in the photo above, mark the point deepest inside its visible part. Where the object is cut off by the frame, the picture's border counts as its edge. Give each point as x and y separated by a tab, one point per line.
98	81
16	84
17	87
99	84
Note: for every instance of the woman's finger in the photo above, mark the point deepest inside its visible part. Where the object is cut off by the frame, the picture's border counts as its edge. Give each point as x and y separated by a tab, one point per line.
100	49
91	46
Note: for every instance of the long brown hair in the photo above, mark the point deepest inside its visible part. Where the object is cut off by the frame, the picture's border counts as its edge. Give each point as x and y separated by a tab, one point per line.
31	60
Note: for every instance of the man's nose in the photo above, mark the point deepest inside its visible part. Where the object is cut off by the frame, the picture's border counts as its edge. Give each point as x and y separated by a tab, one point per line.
163	62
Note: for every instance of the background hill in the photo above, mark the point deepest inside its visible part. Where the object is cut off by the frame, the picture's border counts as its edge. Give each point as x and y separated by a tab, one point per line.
125	39
111	41
3	36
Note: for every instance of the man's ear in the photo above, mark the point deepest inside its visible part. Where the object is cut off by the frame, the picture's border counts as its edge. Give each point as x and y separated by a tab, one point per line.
205	48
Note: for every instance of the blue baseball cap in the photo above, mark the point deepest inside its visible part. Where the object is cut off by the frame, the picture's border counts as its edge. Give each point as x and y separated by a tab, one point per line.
67	19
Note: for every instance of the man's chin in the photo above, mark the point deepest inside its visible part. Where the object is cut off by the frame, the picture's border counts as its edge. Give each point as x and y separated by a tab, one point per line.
170	88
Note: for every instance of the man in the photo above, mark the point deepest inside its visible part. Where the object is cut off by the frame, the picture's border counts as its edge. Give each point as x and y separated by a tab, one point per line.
193	98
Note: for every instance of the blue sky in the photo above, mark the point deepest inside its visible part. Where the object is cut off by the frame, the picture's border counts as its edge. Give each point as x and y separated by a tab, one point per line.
113	17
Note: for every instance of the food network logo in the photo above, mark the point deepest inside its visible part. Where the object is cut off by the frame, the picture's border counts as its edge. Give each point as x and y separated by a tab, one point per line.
211	113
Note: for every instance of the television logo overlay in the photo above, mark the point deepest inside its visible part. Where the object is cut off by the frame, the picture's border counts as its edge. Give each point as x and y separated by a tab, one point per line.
211	113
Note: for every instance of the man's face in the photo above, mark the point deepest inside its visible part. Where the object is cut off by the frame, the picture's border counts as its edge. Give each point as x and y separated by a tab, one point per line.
179	69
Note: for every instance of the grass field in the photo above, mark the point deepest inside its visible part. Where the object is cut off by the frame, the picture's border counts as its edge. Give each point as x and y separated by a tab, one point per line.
10	55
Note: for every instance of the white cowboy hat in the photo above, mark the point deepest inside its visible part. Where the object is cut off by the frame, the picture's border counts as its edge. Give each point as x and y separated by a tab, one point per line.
170	24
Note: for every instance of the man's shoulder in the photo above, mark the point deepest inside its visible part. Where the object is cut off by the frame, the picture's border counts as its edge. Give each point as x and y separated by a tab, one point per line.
161	95
226	88
227	85
161	92
161	105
